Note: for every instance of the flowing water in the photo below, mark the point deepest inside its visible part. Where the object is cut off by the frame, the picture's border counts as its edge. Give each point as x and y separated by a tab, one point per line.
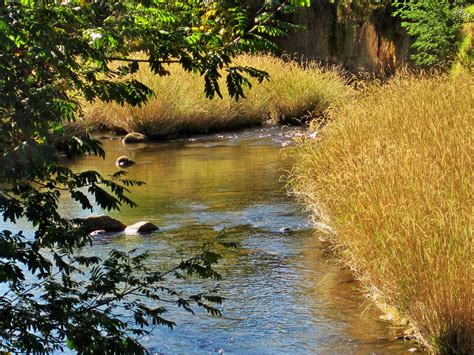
283	294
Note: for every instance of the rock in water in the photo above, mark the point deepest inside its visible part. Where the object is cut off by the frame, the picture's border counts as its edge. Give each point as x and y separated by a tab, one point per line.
105	223
141	227
96	233
124	162
134	137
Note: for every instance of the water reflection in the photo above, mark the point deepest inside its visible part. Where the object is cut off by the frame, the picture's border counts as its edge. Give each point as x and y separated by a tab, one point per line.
283	295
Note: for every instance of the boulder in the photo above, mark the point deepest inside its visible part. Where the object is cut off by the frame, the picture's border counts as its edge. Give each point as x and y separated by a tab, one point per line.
96	233
124	162
134	137
141	227
102	223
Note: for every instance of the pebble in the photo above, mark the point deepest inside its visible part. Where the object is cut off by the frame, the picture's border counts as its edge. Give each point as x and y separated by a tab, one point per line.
124	162
134	137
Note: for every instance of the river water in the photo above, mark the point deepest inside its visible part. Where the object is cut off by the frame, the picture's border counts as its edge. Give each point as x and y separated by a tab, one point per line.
283	293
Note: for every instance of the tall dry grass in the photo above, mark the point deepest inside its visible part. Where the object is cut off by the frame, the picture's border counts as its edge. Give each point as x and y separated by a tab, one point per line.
181	107
393	177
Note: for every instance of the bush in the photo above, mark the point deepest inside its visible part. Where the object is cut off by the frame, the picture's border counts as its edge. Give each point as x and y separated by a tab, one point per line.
436	26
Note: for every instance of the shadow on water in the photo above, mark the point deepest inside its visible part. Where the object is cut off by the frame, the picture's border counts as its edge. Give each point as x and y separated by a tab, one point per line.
283	295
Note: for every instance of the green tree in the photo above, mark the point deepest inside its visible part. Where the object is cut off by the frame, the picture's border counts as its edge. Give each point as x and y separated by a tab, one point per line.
436	26
53	56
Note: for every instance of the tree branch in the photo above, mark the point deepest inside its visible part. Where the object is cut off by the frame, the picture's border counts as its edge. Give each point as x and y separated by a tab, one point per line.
137	60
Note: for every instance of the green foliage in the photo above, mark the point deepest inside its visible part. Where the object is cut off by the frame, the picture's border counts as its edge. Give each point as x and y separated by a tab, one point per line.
53	56
436	26
360	3
359	8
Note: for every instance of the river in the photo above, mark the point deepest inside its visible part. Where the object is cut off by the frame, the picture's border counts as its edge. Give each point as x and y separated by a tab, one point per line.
283	293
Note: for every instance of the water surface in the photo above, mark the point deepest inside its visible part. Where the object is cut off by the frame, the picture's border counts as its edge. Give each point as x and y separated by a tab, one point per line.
284	295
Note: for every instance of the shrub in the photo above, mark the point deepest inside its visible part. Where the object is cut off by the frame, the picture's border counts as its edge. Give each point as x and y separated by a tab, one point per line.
436	26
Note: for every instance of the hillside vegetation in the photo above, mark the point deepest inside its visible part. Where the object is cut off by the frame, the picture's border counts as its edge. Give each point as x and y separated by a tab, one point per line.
293	92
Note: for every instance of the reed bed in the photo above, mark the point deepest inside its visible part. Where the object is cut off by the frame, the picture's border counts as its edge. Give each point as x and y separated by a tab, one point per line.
294	92
391	178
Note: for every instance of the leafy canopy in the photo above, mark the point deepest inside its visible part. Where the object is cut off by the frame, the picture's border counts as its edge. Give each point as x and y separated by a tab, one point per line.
52	57
436	26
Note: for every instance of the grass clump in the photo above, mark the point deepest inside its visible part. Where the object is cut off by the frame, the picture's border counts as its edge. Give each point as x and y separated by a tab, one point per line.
180	106
392	176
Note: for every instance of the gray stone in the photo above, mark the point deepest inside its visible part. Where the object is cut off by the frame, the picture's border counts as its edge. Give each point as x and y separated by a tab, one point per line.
141	227
134	137
124	162
104	223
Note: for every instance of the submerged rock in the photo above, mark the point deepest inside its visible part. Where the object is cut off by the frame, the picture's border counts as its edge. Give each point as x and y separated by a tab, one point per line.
269	123
141	227
102	223
124	162
134	137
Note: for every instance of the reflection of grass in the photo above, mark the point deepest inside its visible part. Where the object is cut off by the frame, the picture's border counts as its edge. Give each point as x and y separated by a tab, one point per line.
393	176
180	105
218	177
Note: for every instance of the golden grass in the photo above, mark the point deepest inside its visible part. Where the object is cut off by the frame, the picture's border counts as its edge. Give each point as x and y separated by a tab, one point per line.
393	177
181	107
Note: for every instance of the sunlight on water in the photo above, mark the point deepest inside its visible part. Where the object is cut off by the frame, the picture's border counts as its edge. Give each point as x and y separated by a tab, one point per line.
283	295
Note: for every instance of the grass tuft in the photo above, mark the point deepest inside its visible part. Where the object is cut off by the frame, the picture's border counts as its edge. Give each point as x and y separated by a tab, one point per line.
180	106
393	177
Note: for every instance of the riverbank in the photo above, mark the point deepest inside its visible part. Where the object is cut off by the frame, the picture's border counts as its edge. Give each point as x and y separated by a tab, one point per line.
392	177
293	93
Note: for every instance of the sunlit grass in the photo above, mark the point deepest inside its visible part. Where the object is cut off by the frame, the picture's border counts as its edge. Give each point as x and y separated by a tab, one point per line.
393	176
180	106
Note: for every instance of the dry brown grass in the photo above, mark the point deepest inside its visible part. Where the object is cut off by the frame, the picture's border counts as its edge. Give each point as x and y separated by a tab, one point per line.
181	107
392	175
